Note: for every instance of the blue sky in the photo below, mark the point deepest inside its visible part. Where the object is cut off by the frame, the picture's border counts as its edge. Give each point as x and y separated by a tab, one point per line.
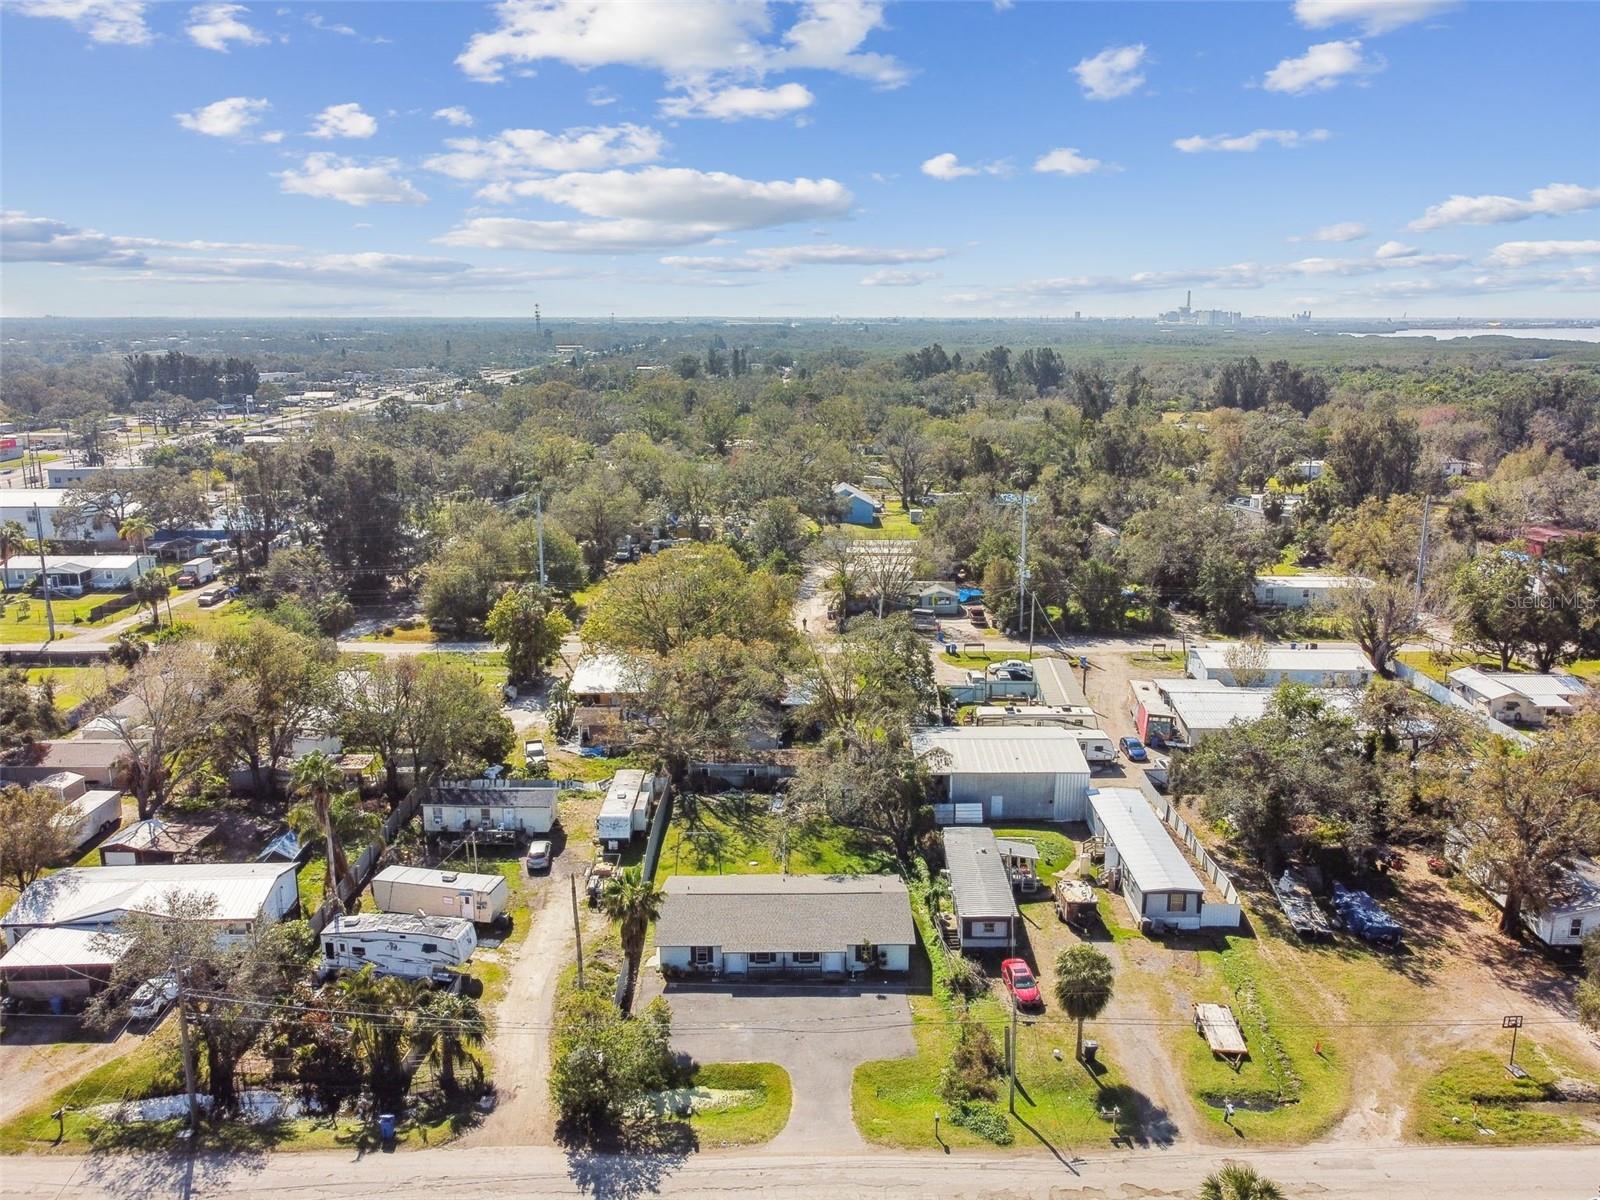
1358	157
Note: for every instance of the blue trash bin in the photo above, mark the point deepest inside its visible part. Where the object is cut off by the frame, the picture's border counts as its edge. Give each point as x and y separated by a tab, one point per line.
58	1005
386	1126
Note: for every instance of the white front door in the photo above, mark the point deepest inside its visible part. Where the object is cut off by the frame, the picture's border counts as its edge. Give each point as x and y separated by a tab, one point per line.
997	806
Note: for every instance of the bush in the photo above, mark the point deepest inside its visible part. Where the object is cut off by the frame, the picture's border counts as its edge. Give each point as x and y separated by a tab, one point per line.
967	980
985	1120
975	1063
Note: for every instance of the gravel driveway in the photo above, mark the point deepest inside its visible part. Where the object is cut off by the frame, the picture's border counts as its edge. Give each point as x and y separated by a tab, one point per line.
817	1033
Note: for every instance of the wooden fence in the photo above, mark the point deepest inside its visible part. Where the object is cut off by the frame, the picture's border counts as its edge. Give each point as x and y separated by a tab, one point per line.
367	862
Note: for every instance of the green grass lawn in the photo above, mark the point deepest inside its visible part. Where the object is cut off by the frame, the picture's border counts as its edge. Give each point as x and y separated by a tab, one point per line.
749	1122
213	622
1585	668
1171	660
492	965
893	524
73	685
23	618
153	1068
420	634
1473	1098
1056	850
739	835
1437	666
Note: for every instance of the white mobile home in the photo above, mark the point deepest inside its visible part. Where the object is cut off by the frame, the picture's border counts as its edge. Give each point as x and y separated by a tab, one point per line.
1516	697
480	898
400	944
1068	716
1268	666
525	806
1147	867
630	800
1303	591
980	889
743	926
75	574
1013	774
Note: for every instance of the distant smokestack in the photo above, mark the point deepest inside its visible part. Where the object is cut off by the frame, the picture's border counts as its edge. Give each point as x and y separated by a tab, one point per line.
1188	299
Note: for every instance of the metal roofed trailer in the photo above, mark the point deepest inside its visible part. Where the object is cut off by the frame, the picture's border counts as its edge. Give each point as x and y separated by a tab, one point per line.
479	898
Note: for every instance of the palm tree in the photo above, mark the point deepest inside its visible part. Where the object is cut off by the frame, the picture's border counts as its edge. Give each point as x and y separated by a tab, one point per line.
13	537
634	902
1083	985
382	1027
1238	1182
449	1027
137	530
318	777
152	589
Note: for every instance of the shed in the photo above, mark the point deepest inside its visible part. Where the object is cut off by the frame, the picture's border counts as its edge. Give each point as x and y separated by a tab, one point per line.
479	898
941	599
155	841
980	889
1152	874
855	506
60	964
994	773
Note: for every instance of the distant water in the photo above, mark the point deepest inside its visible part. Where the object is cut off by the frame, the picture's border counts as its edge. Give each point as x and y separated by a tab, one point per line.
1554	333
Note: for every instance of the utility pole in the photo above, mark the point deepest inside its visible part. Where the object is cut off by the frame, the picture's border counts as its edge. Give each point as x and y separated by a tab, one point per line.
1422	552
44	575
1022	562
538	521
1011	1056
577	928
188	1051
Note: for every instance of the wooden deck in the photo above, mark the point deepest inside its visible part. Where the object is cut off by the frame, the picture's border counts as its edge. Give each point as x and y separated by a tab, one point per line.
1217	1024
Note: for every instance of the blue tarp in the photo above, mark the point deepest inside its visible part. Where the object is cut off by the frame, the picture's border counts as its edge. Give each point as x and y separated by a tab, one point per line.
968	595
1363	916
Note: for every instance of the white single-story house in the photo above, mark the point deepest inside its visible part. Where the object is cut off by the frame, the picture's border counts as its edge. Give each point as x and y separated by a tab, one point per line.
1518	698
990	773
517	805
600	681
1455	468
1326	667
980	889
1309	468
473	897
73	574
1201	707
742	926
938	598
65	964
1303	591
98	898
35	509
1151	873
98	760
402	944
1255	507
857	508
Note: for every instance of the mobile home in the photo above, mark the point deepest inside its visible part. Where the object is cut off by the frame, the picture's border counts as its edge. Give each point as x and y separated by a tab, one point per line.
410	947
526	806
1068	716
480	898
630	800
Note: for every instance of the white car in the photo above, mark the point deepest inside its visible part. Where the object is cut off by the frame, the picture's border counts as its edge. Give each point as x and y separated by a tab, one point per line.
152	998
1012	664
533	751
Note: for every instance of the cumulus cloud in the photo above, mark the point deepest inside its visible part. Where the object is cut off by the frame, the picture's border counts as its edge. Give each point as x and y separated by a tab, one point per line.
1114	72
343	121
454	115
738	103
213	26
1341	231
782	258
1320	68
690	41
25	238
1396	250
888	278
518	153
1374	16
1521	254
106	22
656	207
1556	199
947	167
230	118
1245	143
331	177
1066	160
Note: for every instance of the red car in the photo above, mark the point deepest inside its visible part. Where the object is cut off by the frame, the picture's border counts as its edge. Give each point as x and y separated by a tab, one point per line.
1019	981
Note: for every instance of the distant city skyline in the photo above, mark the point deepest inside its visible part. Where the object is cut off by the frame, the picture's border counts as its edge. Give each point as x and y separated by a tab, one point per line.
733	157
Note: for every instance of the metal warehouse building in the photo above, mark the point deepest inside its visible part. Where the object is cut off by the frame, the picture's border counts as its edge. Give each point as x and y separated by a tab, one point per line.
1005	773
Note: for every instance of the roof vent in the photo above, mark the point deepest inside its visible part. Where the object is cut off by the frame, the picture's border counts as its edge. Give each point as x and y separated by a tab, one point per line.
448	877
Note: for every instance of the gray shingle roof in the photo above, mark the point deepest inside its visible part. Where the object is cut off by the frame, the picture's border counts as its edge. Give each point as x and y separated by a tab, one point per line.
978	879
812	913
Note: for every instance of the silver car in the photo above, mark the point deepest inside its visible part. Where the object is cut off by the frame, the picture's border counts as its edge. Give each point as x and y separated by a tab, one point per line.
538	855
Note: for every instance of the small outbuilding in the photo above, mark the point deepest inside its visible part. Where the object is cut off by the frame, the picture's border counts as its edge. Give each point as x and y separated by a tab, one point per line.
993	773
855	506
473	897
941	599
155	841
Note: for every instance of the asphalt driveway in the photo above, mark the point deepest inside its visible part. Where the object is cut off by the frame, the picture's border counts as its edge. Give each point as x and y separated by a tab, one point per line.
817	1033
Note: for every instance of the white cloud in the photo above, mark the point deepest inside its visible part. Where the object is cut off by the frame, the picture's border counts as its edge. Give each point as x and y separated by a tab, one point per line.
1112	73
1521	254
1556	199
1396	250
107	22
343	121
25	238
737	103
1342	231
599	97
888	278
1066	160
947	167
1247	142
454	115
782	258
518	153
1374	16
213	26
330	177
1321	67
230	118
705	42
656	207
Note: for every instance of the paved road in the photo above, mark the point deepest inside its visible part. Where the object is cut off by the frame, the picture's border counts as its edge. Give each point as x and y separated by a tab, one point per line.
1400	1173
817	1034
